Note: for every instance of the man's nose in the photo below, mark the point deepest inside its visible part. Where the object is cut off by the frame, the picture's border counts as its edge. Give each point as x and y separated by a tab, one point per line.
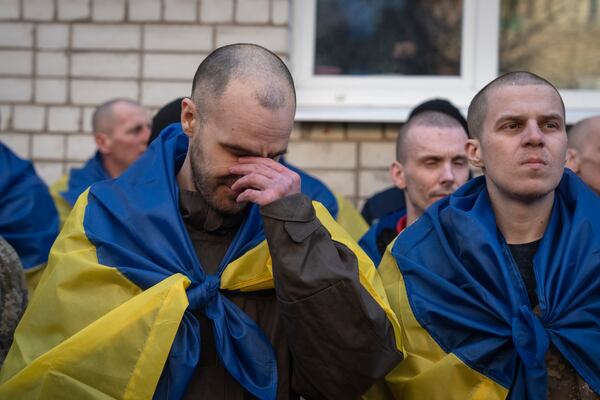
533	135
447	174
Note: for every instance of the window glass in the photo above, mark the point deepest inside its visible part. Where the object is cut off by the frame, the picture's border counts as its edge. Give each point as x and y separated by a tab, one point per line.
557	39
388	37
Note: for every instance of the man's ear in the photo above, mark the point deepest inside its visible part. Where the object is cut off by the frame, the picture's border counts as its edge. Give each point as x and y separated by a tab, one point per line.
573	160
103	142
473	149
189	116
398	175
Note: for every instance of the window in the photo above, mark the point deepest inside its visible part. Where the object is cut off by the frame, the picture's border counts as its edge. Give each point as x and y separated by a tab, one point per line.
373	60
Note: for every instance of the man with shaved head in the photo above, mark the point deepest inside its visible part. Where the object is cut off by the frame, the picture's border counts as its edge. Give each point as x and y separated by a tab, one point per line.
583	154
497	286
121	130
431	163
203	271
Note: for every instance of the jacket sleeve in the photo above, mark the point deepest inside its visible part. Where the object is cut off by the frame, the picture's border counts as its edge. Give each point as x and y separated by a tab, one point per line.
342	334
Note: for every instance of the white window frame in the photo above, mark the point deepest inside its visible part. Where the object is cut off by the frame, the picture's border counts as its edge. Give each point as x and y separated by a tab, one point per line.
390	99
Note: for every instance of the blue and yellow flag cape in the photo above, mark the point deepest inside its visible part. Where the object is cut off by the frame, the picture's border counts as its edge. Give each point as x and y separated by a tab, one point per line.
369	240
28	218
66	191
468	328
338	206
109	316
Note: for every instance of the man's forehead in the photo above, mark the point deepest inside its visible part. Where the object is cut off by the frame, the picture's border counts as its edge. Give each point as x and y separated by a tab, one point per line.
434	139
523	99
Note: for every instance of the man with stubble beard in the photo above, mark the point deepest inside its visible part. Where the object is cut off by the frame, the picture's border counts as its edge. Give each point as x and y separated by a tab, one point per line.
496	287
202	272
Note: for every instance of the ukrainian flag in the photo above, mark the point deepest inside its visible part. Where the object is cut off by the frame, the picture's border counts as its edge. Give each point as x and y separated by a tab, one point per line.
67	189
109	318
468	329
28	219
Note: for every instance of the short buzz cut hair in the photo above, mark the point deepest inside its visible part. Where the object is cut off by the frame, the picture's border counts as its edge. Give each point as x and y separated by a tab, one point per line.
478	107
435	119
579	132
103	118
248	62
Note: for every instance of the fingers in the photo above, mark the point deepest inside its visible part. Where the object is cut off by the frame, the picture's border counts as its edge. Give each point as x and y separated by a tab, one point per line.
263	180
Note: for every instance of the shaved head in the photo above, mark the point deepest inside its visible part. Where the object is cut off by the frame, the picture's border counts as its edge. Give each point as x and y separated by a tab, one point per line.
579	133
478	107
433	119
105	118
271	79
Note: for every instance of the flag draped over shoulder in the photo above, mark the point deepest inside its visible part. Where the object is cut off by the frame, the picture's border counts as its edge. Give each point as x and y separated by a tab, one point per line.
80	179
461	289
28	218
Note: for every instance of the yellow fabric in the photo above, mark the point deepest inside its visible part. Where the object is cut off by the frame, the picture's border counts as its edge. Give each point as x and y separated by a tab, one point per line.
62	206
90	333
32	277
350	219
112	339
426	372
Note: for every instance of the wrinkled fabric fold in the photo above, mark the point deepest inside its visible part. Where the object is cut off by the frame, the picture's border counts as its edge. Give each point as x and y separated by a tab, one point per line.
82	178
28	218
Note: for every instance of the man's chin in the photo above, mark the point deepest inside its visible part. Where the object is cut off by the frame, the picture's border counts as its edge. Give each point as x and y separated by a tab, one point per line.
229	207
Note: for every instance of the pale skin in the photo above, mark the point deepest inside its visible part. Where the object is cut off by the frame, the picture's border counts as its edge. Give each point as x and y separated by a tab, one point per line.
435	166
584	158
241	142
124	139
522	151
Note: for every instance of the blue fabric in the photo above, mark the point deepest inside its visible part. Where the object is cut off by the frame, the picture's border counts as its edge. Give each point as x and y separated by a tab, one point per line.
466	291
28	217
315	189
82	178
135	224
381	203
369	240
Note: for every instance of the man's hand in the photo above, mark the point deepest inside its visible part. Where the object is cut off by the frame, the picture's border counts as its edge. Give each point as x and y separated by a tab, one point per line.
263	180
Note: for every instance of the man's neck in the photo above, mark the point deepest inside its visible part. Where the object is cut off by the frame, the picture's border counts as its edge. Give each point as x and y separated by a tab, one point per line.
113	169
522	221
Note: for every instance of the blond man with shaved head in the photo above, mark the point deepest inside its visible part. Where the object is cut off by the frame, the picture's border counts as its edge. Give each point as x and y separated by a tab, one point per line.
583	154
497	286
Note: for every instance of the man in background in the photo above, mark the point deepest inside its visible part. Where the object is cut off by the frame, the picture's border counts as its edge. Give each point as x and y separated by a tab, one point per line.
583	154
121	129
431	162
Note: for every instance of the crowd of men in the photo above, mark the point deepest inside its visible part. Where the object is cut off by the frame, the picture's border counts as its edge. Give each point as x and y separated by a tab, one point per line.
197	263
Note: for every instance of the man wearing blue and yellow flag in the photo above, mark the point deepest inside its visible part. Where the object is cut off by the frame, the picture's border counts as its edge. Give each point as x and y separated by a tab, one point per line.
497	287
203	272
121	129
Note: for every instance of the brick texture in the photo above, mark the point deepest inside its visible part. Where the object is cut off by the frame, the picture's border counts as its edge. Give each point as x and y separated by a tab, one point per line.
61	58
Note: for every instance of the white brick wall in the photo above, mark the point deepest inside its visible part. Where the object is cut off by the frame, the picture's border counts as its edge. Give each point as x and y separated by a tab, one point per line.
16	34
212	11
15	89
64	119
51	64
181	10
51	91
73	10
172	37
123	37
38	10
28	118
61	58
144	10
169	66
9	9
52	36
109	65
98	91
16	62
108	10
252	11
